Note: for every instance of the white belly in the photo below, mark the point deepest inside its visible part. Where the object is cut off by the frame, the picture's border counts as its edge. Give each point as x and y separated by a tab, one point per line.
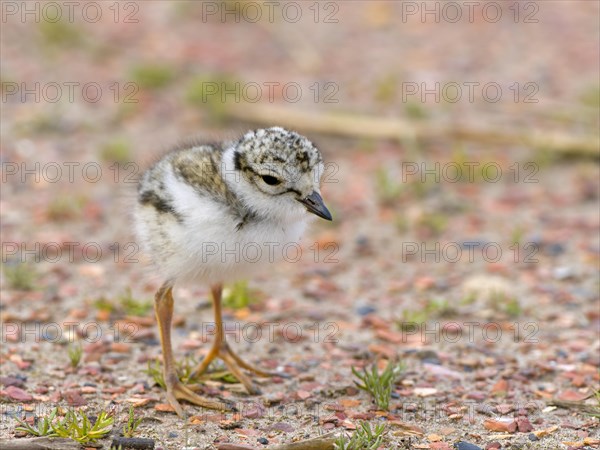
208	247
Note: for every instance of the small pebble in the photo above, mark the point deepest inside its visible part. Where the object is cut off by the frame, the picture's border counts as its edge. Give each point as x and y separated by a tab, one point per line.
563	273
172	434
263	441
555	249
462	445
364	310
533	437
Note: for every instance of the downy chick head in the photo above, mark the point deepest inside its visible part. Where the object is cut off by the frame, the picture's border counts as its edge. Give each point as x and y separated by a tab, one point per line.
280	173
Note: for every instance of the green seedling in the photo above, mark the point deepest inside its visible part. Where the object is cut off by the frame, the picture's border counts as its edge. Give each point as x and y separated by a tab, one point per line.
386	89
432	308
130	428
19	275
185	370
363	438
379	386
152	76
134	307
591	96
60	33
155	372
103	304
75	351
117	150
77	426
41	427
211	92
415	111
516	236
65	207
505	303
237	296
434	223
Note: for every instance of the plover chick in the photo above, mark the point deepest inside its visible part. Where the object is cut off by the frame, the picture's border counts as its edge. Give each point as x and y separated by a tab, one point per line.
201	209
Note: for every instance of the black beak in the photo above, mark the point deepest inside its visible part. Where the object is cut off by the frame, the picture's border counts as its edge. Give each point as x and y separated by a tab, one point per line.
314	204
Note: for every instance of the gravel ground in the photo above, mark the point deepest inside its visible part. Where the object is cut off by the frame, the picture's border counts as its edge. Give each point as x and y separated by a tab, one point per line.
484	286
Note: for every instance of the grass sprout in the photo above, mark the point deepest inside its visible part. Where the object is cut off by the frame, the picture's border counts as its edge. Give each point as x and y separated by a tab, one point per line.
363	438
41	427
379	385
75	352
237	296
77	426
130	428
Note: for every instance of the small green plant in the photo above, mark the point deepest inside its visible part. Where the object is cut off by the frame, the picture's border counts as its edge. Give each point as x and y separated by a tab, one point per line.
506	303
468	299
41	427
591	96
65	207
596	412
415	110
19	275
465	170
129	429
432	308
103	304
513	307
379	385
185	371
152	76
386	88
516	236
75	352
363	438
117	150
77	426
133	307
60	33
433	223
212	91
238	296
411	317
155	372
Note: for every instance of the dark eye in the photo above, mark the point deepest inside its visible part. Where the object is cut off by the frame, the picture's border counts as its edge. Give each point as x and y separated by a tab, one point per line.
271	181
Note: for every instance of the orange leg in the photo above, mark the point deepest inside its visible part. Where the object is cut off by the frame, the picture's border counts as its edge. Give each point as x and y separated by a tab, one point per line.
221	349
163	307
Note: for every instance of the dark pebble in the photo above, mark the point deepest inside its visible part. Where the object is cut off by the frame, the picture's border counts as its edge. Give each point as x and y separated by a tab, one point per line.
462	445
133	443
555	249
395	395
172	434
149	341
473	243
263	441
532	437
12	381
364	310
429	356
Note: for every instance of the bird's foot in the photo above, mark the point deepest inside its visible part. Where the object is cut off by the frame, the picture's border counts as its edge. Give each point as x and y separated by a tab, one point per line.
235	364
176	391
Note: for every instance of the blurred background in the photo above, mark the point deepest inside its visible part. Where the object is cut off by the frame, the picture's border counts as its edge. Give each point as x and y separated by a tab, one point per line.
462	146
